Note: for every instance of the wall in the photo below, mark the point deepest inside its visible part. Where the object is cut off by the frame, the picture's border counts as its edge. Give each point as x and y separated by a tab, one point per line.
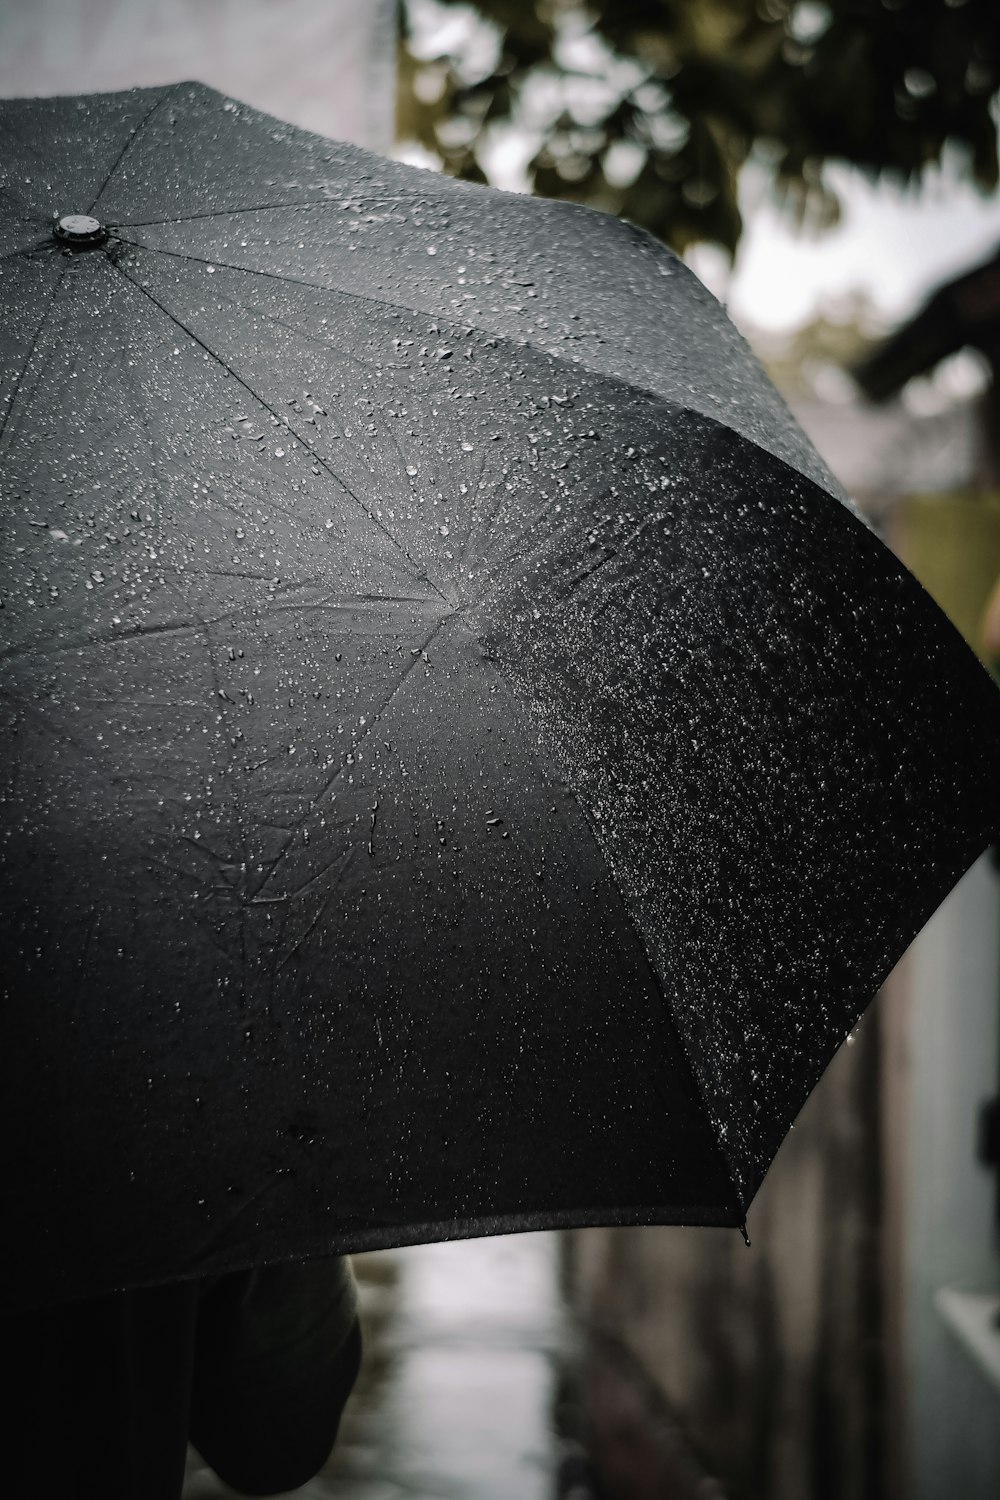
944	1019
768	1357
327	65
948	1412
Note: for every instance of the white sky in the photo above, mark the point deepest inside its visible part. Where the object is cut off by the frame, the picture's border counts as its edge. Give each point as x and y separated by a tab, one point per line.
891	246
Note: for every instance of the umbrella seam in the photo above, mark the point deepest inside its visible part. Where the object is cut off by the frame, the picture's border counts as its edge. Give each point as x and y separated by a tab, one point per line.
243	816
301	333
368	297
27	251
133	136
634	387
667	1009
524	670
418	571
53	642
9	125
479	528
296	828
19	384
470	189
669	1014
253	208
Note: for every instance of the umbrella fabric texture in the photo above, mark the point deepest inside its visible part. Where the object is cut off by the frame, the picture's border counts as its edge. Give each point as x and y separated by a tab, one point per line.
466	767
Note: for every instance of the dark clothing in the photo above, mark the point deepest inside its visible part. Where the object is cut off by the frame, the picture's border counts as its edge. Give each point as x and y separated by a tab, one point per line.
254	1367
276	1356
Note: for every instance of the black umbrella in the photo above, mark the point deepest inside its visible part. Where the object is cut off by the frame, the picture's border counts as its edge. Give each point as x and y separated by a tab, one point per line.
466	766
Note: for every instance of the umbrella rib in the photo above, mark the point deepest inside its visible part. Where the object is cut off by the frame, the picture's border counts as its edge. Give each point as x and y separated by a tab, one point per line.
349	601
26	143
222	213
283	422
668	1014
563	360
517	553
37	712
256	208
416	656
310	338
218	213
345	860
367	298
316	286
19	384
239	804
27	251
129	143
52	643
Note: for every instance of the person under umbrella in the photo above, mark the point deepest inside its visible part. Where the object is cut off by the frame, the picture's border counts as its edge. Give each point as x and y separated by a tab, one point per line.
467	764
253	1367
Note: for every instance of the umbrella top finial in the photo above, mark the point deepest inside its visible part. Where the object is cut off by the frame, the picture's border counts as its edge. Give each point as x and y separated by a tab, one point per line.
80	230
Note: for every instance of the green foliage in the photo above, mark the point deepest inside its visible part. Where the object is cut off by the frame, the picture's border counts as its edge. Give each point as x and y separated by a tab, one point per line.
648	108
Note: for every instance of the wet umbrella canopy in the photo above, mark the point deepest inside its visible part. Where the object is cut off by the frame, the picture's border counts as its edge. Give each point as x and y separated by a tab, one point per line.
465	765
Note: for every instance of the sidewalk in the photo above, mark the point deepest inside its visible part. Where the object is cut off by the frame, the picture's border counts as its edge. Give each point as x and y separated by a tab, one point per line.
473	1386
462	1393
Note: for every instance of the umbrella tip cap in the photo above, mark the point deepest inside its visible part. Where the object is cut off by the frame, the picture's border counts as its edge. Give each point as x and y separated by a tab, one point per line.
79	230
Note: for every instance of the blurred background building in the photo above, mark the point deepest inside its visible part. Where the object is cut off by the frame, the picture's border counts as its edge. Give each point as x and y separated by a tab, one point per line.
830	170
327	65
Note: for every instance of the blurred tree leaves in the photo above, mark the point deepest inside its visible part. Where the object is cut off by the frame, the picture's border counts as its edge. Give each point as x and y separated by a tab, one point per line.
649	108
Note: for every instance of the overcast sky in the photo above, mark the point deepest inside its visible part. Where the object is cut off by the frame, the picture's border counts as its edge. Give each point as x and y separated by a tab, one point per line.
894	247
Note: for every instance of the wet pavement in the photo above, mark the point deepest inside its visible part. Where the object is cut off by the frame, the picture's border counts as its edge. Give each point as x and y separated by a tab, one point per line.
463	1392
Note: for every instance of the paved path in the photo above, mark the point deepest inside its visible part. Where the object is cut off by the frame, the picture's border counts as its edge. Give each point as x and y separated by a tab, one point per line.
462	1385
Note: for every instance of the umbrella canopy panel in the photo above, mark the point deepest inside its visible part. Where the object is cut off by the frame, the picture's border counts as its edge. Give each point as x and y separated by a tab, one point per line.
194	174
463	769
